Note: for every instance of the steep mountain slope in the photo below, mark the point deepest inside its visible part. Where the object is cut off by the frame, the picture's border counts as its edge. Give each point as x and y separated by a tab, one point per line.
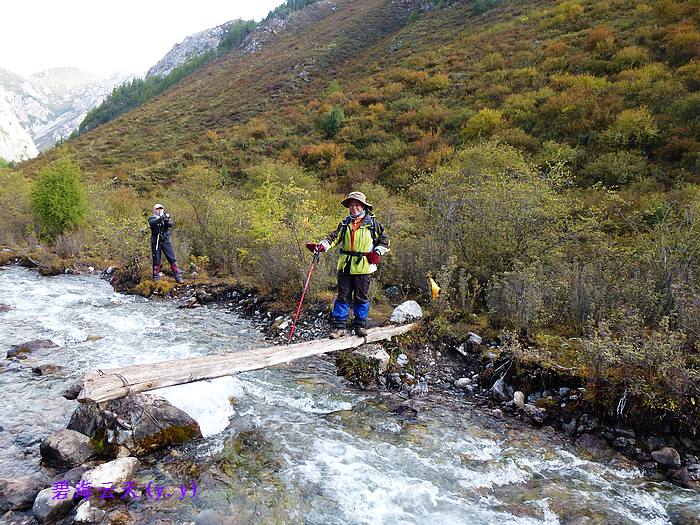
38	111
610	89
235	88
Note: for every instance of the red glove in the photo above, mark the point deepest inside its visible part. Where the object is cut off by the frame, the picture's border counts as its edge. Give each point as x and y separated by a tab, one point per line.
374	257
313	247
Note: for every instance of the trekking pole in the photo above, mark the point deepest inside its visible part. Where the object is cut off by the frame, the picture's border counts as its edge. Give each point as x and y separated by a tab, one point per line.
306	285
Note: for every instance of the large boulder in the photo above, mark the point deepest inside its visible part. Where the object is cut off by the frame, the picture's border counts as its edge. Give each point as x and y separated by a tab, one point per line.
47	508
115	472
406	312
18	493
66	448
140	423
38	346
688	477
667	457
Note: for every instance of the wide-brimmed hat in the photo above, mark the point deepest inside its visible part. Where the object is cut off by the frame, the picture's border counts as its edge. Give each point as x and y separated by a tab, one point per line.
358	196
157	206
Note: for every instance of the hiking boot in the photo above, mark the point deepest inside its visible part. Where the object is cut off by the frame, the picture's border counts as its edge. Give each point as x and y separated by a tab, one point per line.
178	278
337	333
361	331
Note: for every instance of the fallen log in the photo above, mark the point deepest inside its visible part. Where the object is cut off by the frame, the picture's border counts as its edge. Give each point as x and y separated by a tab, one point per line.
103	385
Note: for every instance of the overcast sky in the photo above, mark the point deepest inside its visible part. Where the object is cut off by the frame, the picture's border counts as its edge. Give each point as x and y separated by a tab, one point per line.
105	37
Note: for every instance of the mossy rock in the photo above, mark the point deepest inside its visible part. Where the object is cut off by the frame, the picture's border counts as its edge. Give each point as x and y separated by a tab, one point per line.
363	365
147	288
141	423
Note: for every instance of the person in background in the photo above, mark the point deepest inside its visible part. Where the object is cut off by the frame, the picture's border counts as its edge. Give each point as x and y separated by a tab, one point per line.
362	242
160	224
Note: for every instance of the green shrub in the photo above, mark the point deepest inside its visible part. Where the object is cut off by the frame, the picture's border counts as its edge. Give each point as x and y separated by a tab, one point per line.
15	214
483	124
521	300
652	85
687	109
616	168
58	198
630	57
633	128
490	208
647	373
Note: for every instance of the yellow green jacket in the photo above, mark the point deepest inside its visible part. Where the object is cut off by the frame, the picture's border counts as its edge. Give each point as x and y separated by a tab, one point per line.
369	236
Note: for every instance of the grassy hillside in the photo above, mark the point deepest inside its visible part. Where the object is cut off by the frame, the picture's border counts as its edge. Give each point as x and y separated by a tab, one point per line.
539	158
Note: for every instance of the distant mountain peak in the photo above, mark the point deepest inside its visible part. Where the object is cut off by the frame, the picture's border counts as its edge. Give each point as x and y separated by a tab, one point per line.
39	110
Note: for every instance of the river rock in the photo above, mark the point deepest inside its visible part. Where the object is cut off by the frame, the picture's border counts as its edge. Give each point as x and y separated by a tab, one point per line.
73	475
394	379
73	391
570	427
362	365
117	472
537	414
475	339
463	382
406	312
499	390
667	457
596	446
38	345
46	370
141	423
519	399
47	509
419	389
66	448
18	493
685	478
86	513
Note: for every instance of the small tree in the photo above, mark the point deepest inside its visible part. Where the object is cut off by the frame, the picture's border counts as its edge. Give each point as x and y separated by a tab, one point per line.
334	121
58	198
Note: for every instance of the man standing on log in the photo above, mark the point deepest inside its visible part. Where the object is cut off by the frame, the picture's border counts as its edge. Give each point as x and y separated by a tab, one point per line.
362	242
160	224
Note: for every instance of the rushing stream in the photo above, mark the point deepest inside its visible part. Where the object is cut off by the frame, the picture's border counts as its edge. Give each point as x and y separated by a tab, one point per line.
311	449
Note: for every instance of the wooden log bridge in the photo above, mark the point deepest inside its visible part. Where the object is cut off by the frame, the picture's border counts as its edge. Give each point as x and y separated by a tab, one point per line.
103	385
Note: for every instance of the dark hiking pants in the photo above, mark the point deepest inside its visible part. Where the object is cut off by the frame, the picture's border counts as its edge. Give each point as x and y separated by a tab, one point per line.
351	289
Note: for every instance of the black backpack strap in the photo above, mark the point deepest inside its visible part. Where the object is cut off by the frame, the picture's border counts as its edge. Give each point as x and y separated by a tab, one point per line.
343	229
